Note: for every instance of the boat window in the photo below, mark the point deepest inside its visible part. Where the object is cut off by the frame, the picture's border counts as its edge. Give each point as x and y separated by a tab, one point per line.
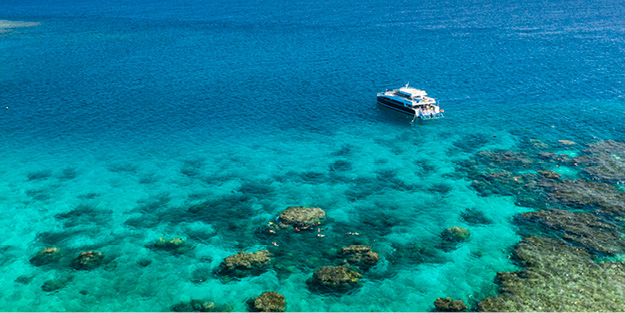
403	94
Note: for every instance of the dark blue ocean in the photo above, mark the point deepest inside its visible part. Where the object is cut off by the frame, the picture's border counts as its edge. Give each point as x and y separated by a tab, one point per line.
117	116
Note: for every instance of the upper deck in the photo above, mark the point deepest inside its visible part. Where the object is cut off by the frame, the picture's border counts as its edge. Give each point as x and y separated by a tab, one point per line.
410	92
409	96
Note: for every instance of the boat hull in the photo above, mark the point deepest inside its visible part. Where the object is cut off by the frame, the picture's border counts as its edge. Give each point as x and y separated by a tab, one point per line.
402	108
394	105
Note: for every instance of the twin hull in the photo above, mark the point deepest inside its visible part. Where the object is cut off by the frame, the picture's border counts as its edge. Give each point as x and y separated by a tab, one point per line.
395	105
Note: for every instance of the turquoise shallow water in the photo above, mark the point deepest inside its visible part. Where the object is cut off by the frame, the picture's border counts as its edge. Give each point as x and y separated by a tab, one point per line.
122	116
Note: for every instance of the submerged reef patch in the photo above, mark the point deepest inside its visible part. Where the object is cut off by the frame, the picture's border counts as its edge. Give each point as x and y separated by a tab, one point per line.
605	161
68	173
418	253
197	305
175	245
85	215
579	221
558	277
39	194
46	256
335	278
344	151
474	216
88	260
269	301
243	264
581	194
456	234
301	217
359	256
448	305
472	142
340	166
579	228
39	175
55	284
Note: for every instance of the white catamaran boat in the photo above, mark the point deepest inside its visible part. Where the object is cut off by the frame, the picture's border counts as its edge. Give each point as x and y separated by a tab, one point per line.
411	101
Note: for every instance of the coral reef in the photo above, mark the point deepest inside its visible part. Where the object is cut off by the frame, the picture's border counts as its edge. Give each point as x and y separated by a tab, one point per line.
524	187
448	305
582	194
46	256
269	302
456	234
144	262
475	217
503	159
88	260
549	174
360	256
196	305
168	244
51	285
417	253
584	229
505	173
604	160
243	264
301	217
558	271
336	277
24	279
558	277
176	245
453	237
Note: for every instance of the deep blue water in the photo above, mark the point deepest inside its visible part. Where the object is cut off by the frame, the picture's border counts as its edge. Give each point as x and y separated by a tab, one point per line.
124	114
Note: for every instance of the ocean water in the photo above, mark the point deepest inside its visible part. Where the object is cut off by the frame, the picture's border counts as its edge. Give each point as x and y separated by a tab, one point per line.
122	115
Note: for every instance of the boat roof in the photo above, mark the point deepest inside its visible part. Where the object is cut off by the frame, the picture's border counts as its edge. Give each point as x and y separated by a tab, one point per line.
411	91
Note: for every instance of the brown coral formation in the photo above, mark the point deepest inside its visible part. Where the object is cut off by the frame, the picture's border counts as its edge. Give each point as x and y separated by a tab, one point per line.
583	229
336	277
448	305
88	260
558	277
243	264
269	301
301	217
46	256
360	256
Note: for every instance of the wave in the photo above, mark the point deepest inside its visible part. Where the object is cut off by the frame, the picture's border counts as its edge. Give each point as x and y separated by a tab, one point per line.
6	25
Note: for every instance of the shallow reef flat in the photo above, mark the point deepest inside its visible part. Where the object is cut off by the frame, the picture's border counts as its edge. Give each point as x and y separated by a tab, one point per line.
239	239
577	225
230	234
558	277
150	148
